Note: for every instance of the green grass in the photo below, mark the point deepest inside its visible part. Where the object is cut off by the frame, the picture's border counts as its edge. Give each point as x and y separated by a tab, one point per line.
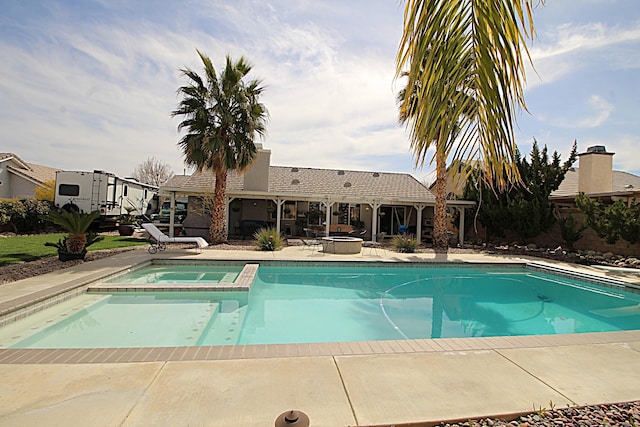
17	249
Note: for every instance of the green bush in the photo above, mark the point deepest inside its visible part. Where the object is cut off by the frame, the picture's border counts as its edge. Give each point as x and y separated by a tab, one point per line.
405	243
268	239
23	216
571	231
612	222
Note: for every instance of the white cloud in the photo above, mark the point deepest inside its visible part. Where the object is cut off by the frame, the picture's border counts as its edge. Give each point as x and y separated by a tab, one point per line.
571	47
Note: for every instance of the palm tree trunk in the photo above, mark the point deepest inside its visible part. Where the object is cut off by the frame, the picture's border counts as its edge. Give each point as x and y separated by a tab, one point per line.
76	243
218	230
440	235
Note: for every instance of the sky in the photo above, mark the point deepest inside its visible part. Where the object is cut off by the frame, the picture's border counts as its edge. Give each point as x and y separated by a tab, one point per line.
88	85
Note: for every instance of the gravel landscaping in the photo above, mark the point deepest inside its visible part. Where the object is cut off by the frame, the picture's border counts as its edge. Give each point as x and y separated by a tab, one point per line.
620	414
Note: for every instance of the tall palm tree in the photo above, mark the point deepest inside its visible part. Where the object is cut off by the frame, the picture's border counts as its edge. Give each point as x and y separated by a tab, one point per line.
409	101
222	116
464	62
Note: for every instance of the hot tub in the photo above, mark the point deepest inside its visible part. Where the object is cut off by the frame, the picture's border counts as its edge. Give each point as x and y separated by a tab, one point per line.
341	245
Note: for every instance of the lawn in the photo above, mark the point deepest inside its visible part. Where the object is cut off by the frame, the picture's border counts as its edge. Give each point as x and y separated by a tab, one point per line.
17	249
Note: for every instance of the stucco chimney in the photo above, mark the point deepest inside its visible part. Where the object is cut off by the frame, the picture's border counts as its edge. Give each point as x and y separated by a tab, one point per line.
256	178
595	171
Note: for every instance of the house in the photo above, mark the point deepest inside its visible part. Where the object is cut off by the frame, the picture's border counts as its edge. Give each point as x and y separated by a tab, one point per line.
19	179
596	178
292	199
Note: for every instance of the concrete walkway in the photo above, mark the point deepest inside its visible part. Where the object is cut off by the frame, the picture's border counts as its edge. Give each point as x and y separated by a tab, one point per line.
355	384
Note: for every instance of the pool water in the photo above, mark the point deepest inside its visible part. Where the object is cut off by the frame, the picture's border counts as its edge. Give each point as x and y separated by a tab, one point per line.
330	304
179	274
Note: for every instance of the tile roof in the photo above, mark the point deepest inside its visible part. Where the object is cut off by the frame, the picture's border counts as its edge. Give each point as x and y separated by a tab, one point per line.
311	182
32	171
621	181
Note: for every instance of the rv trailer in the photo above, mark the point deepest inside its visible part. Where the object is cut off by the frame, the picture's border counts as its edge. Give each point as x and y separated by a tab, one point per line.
104	192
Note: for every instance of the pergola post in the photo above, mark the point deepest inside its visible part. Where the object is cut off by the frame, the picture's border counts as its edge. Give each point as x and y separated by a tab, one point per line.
172	213
327	219
419	209
374	220
461	226
279	203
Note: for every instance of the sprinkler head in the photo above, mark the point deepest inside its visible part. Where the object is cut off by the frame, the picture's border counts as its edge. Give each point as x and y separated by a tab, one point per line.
292	418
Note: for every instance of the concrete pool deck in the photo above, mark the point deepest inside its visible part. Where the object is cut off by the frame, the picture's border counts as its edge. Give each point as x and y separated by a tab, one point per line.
345	384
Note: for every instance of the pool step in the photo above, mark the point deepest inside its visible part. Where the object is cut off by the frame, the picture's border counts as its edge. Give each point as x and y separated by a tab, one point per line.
230	282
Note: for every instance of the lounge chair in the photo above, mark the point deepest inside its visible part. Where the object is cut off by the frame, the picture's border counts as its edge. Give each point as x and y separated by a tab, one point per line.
161	239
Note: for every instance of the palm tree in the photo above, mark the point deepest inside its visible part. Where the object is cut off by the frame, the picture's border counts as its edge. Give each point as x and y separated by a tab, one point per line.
463	62
222	115
408	98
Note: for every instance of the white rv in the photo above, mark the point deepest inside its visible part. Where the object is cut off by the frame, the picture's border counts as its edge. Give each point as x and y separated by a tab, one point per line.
104	192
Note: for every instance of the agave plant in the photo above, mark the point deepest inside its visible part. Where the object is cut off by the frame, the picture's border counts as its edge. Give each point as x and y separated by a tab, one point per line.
76	224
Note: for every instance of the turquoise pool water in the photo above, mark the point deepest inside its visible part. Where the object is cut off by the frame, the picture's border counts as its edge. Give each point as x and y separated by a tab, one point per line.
179	274
329	304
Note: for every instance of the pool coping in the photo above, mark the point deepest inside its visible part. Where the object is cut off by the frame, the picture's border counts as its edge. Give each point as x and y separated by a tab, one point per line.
60	292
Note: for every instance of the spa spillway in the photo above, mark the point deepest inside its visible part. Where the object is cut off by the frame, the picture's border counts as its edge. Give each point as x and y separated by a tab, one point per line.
342	245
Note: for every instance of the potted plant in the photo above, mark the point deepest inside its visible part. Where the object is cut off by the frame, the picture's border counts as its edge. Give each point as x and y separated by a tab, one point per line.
73	246
126	222
235	205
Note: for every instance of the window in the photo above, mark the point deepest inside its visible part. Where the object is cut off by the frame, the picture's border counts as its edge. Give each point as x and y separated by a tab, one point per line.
317	213
69	190
290	210
125	189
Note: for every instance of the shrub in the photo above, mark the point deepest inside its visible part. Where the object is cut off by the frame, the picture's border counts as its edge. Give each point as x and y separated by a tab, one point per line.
405	243
611	222
268	239
571	231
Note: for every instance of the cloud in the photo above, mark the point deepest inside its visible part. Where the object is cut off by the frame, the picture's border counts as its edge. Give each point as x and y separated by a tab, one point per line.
571	47
599	111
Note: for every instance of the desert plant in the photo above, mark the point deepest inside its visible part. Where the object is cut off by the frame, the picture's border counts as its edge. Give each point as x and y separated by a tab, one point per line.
128	218
268	239
61	244
76	224
405	243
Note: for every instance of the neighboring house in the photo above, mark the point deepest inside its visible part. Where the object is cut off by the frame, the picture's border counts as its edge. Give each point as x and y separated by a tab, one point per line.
293	199
596	178
19	179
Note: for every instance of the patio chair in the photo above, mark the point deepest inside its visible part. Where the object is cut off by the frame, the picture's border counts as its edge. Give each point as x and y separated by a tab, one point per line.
161	239
374	246
311	241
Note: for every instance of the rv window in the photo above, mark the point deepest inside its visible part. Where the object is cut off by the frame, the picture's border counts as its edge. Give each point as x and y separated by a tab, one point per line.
69	190
124	190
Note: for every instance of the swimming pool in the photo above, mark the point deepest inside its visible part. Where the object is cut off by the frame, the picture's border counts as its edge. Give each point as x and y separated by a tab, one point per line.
337	303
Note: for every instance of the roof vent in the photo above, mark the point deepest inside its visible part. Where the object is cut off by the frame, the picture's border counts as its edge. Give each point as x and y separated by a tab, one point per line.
628	186
295	182
347	184
600	149
376	174
294	169
340	172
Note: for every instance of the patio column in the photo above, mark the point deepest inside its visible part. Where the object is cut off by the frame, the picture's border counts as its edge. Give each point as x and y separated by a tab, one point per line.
327	219
279	204
419	209
172	213
374	220
461	226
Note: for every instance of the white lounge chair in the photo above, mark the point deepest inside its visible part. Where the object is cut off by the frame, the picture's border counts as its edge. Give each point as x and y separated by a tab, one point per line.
161	239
